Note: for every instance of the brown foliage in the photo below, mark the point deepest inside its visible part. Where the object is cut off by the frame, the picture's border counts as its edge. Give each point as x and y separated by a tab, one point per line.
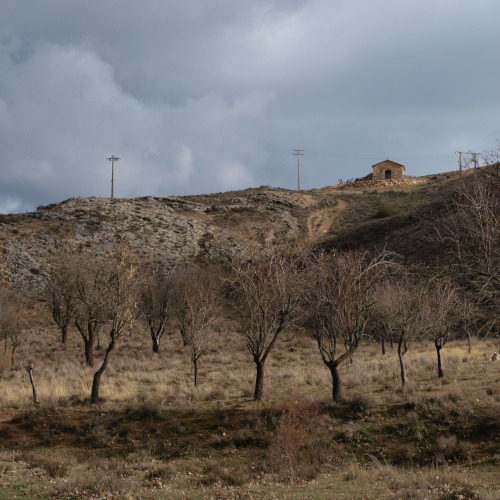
298	445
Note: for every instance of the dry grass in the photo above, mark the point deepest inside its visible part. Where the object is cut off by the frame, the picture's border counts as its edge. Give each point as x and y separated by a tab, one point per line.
156	435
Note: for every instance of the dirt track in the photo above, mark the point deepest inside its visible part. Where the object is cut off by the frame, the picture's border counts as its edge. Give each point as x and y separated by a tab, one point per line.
321	221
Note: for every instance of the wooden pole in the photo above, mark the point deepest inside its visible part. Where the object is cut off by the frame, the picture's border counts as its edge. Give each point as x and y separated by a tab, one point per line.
297	153
36	401
112	159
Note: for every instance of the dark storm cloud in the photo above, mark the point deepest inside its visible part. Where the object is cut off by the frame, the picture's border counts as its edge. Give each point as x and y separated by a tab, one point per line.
210	95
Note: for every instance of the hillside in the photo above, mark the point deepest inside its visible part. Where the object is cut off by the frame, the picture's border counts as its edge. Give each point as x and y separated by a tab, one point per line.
153	434
223	226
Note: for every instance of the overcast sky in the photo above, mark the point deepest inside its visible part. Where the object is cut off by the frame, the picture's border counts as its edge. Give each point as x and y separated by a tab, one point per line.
202	96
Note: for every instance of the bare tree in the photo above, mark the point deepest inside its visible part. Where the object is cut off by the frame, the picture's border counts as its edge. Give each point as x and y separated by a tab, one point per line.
471	232
116	290
89	316
11	322
469	315
62	298
381	317
198	310
340	295
266	295
442	306
157	302
406	308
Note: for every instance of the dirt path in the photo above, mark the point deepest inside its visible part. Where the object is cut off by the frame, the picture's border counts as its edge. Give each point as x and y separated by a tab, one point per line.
321	221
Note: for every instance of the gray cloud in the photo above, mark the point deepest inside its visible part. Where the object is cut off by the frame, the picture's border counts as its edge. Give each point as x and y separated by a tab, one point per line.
210	95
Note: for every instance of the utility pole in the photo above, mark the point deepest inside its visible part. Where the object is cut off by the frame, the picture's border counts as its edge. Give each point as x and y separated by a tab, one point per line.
474	159
470	153
297	153
112	159
459	153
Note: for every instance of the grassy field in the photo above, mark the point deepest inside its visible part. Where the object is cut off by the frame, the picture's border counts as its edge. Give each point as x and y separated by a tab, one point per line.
156	436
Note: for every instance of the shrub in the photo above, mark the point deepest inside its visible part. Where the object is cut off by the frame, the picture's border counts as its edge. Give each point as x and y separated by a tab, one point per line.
297	448
385	210
142	410
359	406
450	448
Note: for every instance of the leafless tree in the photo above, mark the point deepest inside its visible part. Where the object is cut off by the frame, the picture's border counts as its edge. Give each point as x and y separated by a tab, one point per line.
471	232
61	294
340	296
11	321
116	291
382	318
405	305
469	315
89	314
442	303
266	294
156	303
197	309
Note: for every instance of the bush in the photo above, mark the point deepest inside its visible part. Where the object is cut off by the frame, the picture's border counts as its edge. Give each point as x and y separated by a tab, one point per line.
359	406
144	410
385	210
450	448
297	448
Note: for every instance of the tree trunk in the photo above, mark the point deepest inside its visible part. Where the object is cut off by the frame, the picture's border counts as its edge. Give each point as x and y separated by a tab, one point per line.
64	336
89	349
259	381
195	366
469	344
94	395
383	346
12	358
336	392
156	344
440	359
36	401
402	364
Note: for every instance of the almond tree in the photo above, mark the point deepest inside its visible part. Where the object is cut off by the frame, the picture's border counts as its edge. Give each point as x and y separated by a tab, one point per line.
156	303
405	306
198	310
381	317
340	297
116	291
89	315
443	303
11	321
62	298
266	294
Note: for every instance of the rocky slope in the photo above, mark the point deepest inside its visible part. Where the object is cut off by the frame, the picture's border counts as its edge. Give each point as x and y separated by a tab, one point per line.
218	227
